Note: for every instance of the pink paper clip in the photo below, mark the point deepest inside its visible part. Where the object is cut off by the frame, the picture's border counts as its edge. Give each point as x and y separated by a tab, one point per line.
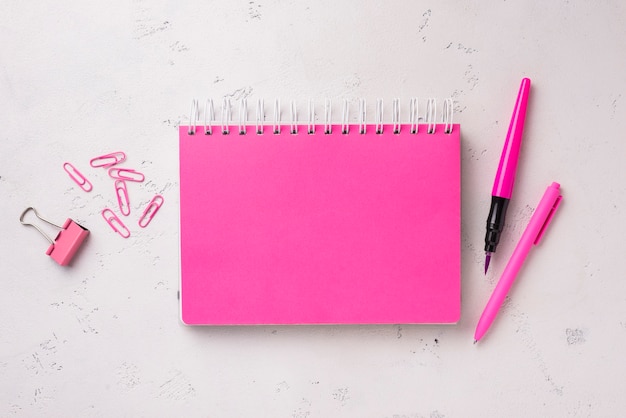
122	197
78	178
107	160
151	210
126	174
114	222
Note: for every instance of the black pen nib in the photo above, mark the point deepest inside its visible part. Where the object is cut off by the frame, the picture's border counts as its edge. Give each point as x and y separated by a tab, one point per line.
487	260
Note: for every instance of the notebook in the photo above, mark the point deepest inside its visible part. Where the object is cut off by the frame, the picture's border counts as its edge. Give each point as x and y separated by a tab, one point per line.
319	223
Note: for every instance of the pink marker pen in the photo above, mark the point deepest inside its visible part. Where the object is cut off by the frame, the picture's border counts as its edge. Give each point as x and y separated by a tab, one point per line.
505	177
531	236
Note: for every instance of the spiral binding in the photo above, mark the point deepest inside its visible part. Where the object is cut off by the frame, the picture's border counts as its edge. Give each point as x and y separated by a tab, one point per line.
345	127
429	118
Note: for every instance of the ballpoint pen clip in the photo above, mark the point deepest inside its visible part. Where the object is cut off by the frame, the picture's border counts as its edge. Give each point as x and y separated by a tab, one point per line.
549	217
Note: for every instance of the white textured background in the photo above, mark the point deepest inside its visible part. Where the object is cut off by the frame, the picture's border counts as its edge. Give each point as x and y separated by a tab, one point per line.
102	338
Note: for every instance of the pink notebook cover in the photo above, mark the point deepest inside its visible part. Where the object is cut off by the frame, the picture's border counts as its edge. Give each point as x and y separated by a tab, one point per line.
320	228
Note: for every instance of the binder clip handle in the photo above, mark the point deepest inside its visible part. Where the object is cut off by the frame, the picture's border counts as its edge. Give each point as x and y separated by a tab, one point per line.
50	240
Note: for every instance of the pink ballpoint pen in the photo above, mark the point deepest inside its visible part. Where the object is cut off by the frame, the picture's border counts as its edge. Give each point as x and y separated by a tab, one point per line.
505	176
531	236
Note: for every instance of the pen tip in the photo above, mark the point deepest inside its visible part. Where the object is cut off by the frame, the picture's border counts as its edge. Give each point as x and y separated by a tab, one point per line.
475	341
487	260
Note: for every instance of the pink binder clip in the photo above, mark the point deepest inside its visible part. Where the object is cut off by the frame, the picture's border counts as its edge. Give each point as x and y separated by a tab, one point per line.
67	242
115	223
77	176
122	197
126	174
151	210
108	160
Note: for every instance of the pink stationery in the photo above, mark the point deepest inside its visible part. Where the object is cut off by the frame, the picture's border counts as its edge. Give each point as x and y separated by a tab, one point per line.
320	228
532	235
67	242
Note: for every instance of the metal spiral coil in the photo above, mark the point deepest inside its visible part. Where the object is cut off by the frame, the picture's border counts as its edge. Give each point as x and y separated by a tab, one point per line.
428	119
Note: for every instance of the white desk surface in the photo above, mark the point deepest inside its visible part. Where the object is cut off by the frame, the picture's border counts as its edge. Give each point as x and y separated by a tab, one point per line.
102	338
